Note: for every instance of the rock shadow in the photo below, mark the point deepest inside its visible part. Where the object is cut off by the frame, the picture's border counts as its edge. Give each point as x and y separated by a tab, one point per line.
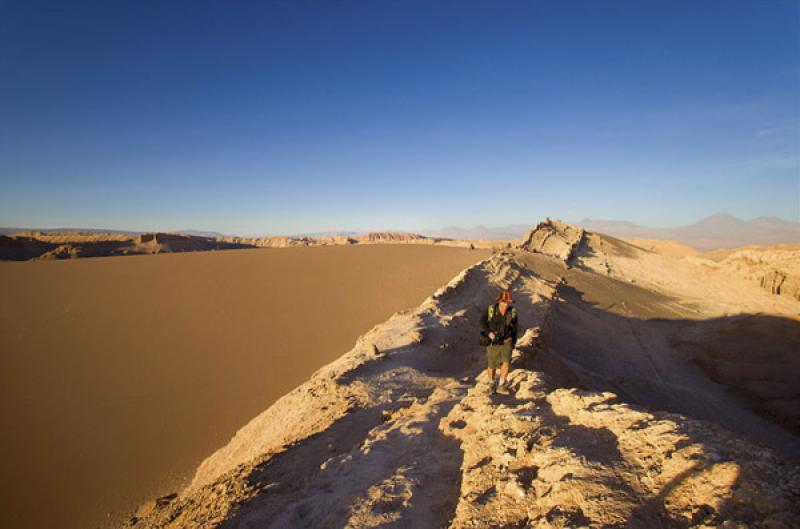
739	371
298	489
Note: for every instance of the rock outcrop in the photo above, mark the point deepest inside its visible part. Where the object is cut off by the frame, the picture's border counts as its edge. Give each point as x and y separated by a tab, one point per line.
780	283
74	237
547	458
392	237
271	242
67	245
776	269
554	238
70	245
23	247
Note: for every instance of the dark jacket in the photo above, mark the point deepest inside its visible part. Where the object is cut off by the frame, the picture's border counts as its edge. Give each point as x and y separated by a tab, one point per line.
503	326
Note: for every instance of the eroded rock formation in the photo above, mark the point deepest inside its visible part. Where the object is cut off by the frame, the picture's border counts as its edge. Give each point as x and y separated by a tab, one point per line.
554	238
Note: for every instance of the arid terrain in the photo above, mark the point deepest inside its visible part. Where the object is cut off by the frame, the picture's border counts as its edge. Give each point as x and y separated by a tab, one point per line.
649	390
654	385
35	245
120	374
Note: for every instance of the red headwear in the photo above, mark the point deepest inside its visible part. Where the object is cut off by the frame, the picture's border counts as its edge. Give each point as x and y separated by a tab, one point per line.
504	296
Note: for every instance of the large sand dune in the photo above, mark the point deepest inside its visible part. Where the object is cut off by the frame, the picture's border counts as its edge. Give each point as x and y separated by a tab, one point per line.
121	374
654	387
616	418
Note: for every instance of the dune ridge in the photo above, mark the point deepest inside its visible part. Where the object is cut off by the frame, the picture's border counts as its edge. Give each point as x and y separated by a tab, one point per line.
401	431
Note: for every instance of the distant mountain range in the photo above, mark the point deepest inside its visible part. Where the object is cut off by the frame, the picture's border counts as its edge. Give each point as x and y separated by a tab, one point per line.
720	230
9	231
318	234
717	231
512	231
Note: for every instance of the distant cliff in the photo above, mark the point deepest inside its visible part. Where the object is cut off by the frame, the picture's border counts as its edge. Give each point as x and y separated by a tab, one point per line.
24	246
27	245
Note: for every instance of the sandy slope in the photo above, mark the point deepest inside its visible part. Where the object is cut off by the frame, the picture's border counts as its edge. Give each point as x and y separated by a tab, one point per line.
398	433
654	330
775	268
119	375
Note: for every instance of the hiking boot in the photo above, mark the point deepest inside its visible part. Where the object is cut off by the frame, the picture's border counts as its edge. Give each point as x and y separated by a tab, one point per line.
502	389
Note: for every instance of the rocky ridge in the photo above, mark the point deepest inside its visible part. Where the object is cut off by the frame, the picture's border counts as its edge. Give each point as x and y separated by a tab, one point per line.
70	245
554	238
776	269
401	431
571	458
25	246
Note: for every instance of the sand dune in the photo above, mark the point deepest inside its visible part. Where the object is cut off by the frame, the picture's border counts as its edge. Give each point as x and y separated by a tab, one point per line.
611	423
121	374
653	387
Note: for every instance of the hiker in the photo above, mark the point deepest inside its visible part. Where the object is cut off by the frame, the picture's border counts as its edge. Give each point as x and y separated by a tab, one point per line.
499	334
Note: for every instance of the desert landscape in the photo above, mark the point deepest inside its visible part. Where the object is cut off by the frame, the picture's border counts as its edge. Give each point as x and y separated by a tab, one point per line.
261	261
142	365
38	245
120	374
650	388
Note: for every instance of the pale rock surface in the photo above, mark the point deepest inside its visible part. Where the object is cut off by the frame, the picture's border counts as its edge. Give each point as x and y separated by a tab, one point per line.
554	238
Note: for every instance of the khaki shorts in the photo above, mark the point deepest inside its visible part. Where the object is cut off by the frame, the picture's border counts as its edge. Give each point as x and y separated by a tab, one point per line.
498	354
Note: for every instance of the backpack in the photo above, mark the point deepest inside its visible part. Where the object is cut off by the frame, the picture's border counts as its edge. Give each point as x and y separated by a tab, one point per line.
491	312
484	339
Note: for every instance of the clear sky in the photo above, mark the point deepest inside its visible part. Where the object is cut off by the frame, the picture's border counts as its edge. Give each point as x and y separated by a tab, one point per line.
286	117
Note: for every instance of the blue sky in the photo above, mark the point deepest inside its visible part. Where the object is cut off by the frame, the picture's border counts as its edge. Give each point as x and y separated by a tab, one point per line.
286	117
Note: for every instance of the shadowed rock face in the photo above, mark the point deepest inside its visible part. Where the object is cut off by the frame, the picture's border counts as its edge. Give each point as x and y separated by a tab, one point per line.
34	245
402	431
23	248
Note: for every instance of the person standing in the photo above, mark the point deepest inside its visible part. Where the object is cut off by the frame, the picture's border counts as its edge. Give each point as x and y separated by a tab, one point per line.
499	323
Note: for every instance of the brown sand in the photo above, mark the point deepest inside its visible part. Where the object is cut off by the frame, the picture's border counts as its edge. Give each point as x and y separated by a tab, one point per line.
121	374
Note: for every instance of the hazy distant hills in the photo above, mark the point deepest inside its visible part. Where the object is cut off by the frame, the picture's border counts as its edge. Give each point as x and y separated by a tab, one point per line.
196	233
9	231
717	231
200	233
720	230
318	234
512	231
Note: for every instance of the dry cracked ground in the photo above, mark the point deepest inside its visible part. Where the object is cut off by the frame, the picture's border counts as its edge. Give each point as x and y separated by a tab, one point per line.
646	393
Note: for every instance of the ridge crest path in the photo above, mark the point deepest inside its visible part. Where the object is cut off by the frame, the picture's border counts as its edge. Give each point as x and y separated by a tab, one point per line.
400	432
